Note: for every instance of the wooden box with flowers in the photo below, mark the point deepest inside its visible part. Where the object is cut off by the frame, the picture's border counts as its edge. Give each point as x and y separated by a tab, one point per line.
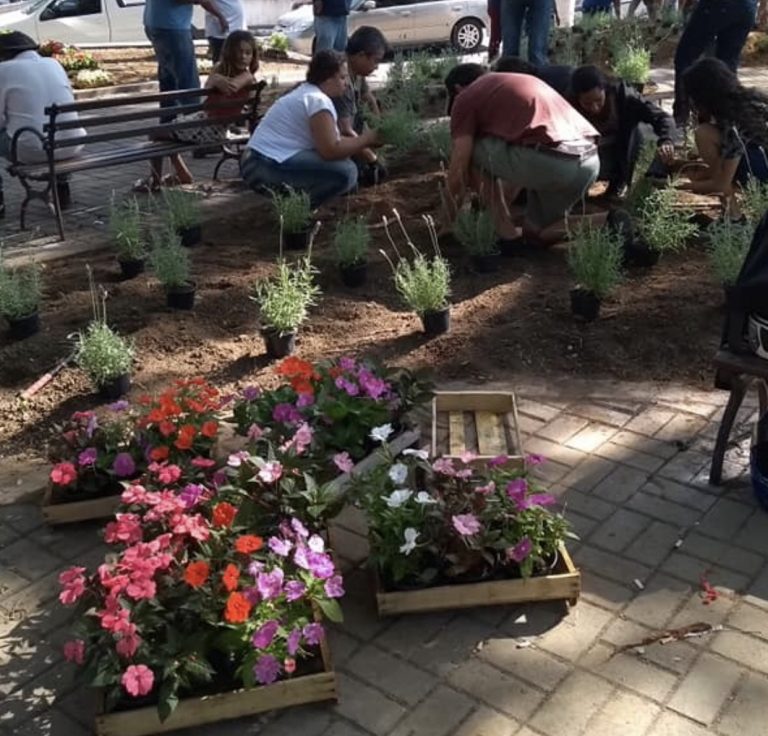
93	456
453	533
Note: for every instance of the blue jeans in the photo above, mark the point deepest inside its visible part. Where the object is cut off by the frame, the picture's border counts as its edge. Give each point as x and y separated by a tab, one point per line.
537	17
754	164
176	65
331	32
727	23
320	179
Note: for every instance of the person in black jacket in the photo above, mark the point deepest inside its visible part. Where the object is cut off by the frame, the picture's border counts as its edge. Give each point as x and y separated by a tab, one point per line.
617	110
555	75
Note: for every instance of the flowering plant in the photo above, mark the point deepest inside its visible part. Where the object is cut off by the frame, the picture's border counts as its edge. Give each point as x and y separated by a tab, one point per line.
192	601
70	57
182	422
91	457
450	522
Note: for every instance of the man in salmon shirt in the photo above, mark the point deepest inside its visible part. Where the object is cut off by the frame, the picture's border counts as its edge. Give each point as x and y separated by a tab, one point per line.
513	132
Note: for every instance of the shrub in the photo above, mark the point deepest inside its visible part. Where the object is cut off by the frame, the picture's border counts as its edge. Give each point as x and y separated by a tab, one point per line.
284	300
595	257
293	210
183	208
351	241
397	128
475	230
20	290
424	284
169	260
103	354
755	200
633	64
729	242
278	42
641	186
437	138
125	227
663	226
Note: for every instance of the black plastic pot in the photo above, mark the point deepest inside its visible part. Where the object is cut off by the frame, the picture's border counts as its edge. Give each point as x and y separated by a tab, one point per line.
639	254
181	297
436	323
296	241
511	248
132	267
585	304
115	387
354	275
279	345
23	327
487	263
190	235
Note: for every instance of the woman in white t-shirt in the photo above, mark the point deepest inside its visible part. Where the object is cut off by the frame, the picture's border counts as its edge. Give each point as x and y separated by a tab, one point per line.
297	143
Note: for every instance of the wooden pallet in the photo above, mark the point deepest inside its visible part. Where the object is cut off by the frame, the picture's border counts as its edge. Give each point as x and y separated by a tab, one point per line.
482	422
192	712
73	511
564	583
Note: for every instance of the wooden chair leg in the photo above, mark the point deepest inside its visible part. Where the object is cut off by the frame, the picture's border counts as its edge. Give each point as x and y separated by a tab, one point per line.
739	386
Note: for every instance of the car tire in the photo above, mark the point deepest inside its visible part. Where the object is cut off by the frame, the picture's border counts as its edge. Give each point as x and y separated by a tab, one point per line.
467	35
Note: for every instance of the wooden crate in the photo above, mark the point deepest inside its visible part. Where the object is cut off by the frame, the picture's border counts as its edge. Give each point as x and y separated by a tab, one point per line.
72	511
224	706
482	422
564	583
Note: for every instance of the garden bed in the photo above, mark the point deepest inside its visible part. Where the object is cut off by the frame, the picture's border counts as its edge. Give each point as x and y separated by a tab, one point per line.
69	512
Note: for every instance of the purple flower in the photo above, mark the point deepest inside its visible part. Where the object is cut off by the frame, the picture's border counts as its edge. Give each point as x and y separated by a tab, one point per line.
251	393
314	634
123	465
293	641
533	459
286	414
87	456
304	401
279	546
252	595
255	568
466	524
270	584
541	499
334	587
294	589
191	494
374	387
263	636
521	550
299	528
121	405
346	363
351	389
343	462
219	478
516	490
266	669
494	462
320	565
444	466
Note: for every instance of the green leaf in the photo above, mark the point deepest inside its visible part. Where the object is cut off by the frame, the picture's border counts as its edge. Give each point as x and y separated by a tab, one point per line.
168	699
331	609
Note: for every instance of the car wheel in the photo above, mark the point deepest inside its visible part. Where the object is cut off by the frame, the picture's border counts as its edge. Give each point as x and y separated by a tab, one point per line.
467	35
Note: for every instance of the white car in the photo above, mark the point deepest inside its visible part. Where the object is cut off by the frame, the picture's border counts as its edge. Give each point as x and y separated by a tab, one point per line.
404	23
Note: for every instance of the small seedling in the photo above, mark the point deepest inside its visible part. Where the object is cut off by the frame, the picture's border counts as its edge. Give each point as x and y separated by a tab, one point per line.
169	260
127	232
183	208
20	290
475	230
663	226
351	241
595	258
293	210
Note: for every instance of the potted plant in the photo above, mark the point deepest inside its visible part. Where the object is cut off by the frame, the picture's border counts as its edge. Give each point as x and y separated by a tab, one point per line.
475	230
729	243
102	353
125	226
284	301
663	227
294	214
398	127
754	200
351	241
595	256
170	263
632	64
183	212
424	284
20	292
437	136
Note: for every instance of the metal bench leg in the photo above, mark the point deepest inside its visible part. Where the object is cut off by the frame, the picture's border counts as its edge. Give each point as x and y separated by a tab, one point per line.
739	386
29	195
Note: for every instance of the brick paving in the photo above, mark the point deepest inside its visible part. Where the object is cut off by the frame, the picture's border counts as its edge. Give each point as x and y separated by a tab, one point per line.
650	527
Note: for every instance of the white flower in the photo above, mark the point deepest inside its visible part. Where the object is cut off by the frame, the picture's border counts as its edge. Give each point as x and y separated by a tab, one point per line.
382	433
424	498
398	473
397	498
421	454
316	543
410	535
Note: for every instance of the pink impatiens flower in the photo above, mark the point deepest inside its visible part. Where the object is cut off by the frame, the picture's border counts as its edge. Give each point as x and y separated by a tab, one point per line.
126	529
73	584
533	459
271	471
63	474
343	462
521	550
138	680
466	524
129	642
74	651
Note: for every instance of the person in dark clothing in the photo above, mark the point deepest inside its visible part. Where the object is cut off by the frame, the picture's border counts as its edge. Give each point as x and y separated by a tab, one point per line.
533	16
330	23
556	76
617	110
732	130
726	23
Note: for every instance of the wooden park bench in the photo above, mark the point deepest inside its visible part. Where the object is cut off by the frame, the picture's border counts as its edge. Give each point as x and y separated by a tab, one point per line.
145	133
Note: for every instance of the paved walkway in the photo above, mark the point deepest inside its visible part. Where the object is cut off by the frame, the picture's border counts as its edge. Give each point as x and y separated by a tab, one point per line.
629	463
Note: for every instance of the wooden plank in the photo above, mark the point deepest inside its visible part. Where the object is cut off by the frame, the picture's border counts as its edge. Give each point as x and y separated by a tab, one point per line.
494	401
73	511
563	584
213	708
456	443
490	434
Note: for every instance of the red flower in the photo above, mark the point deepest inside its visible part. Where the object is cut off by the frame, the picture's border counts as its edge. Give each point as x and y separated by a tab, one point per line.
301	385
231	577
158	454
166	428
63	474
223	514
209	429
237	610
196	573
248	543
186	437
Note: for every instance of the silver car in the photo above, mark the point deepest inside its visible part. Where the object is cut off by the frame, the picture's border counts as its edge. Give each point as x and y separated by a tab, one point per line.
404	23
